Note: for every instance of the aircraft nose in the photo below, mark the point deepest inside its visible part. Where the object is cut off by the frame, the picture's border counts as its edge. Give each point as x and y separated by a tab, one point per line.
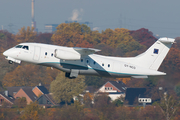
5	53
8	52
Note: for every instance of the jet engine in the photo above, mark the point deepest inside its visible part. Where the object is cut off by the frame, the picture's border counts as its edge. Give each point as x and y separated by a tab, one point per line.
66	55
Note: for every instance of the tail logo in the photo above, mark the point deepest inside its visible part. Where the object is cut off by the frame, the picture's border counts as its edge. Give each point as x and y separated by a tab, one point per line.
156	51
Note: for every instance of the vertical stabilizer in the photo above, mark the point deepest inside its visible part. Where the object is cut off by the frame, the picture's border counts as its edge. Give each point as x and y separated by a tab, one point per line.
154	56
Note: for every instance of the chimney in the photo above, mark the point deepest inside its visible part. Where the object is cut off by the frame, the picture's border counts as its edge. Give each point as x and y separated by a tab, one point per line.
6	93
33	21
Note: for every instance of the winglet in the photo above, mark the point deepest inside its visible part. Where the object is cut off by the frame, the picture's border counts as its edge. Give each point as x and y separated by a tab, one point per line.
166	40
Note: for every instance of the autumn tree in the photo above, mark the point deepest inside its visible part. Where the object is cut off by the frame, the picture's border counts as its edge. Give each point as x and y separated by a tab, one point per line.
143	36
114	37
25	35
72	34
64	89
102	103
26	75
87	99
32	112
44	38
169	105
6	40
20	102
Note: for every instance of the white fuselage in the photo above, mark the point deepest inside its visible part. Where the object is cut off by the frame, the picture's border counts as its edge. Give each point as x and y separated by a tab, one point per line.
92	64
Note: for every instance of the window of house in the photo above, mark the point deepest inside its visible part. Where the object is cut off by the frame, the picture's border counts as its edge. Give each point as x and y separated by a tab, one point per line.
1	100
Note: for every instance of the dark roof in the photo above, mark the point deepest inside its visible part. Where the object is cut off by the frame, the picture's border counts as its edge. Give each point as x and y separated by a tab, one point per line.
91	89
11	90
47	97
10	99
133	93
119	85
43	89
29	92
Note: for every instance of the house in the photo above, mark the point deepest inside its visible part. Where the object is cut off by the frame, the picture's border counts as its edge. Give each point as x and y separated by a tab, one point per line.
11	91
115	89
40	90
47	100
4	98
137	96
27	93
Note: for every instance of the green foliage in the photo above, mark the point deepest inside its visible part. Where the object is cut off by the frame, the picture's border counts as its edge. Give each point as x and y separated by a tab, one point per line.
118	102
131	47
64	89
93	81
2	36
151	81
177	89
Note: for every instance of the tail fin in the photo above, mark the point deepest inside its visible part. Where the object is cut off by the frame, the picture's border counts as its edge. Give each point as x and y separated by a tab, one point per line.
154	56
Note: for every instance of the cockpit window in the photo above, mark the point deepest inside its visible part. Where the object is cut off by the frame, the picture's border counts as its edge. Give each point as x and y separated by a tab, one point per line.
25	47
18	46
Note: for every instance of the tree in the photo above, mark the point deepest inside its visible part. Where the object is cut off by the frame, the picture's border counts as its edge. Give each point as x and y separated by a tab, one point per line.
25	35
143	36
6	40
27	75
169	105
132	48
64	89
44	38
20	102
31	112
72	34
88	98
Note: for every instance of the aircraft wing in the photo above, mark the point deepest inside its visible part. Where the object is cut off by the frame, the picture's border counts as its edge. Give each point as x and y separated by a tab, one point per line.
86	51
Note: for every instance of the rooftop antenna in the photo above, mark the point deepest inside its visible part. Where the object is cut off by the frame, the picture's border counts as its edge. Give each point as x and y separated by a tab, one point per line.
33	21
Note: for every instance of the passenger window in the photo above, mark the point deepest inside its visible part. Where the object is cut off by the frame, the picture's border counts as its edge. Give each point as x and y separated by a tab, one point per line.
81	60
25	47
94	62
103	64
45	53
108	65
52	54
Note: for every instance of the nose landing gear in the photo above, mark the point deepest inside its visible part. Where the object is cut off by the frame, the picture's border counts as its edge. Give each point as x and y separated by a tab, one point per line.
10	62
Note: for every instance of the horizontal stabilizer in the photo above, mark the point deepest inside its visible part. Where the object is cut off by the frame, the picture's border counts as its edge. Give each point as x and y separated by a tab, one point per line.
86	51
139	76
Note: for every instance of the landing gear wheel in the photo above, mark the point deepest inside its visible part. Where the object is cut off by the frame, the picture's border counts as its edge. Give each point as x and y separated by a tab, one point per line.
10	62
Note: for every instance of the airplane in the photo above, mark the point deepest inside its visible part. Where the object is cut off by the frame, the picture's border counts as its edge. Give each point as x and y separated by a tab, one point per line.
76	61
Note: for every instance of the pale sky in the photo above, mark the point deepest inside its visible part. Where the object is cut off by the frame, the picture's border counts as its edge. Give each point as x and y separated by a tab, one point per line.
162	17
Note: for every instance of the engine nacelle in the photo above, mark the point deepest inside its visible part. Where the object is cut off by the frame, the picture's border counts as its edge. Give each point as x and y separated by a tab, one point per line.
66	55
